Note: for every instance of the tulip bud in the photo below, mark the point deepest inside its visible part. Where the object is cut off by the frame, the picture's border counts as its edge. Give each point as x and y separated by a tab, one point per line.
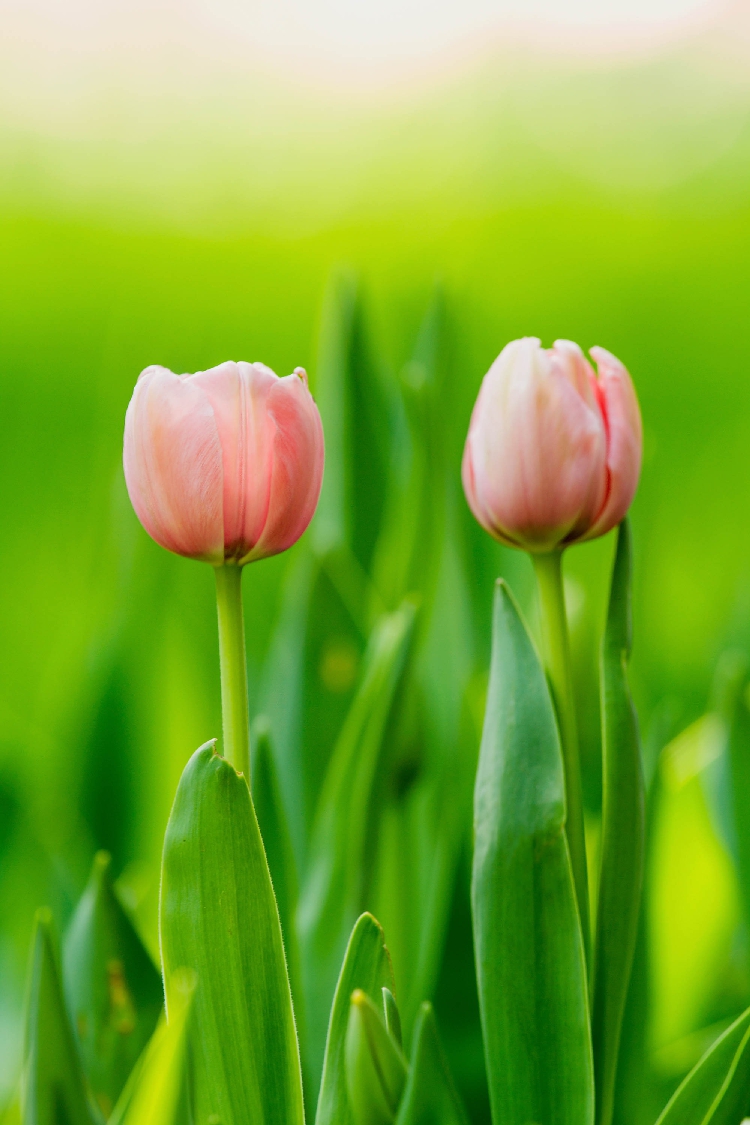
553	453
226	464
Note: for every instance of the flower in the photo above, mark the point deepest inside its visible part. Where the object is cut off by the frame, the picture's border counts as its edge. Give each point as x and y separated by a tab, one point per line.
553	453
224	465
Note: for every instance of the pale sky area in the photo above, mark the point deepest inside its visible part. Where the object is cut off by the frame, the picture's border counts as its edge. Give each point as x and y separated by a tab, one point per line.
354	39
128	98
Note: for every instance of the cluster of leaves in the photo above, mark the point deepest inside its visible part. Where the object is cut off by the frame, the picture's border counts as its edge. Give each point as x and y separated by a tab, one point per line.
229	1052
278	987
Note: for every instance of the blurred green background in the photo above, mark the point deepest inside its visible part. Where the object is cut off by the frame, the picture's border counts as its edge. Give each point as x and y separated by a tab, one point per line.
601	198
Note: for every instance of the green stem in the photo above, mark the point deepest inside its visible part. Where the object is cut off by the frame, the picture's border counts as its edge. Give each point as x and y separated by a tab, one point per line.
557	660
233	668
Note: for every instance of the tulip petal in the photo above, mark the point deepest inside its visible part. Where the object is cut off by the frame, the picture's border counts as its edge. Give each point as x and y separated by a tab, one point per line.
535	458
239	394
297	465
173	465
622	418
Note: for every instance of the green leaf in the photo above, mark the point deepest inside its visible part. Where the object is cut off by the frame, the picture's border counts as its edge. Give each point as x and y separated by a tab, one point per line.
430	1097
717	1090
112	987
218	917
408	552
155	1096
332	896
347	390
54	1088
367	966
623	836
528	944
376	1070
391	1015
732	701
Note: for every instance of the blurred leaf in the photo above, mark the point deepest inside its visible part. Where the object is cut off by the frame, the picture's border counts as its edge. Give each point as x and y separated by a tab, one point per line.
391	1015
407	555
347	390
623	836
54	1088
114	992
376	1070
430	1097
331	897
717	1090
155	1095
274	831
732	701
367	967
529	948
283	691
429	788
219	918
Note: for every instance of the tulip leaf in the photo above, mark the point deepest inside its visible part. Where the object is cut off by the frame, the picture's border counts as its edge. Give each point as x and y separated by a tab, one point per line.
349	396
376	1069
54	1087
717	1089
392	1015
430	1097
528	944
218	917
112	987
623	836
277	842
332	895
156	1093
367	966
732	701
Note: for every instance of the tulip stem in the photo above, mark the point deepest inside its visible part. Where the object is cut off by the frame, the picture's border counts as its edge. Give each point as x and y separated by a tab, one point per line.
233	661
556	645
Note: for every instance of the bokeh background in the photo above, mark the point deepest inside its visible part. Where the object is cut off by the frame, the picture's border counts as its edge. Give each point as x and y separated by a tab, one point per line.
184	182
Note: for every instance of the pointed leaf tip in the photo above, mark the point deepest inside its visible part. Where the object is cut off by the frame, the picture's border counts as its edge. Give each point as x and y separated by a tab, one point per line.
53	1081
113	989
367	968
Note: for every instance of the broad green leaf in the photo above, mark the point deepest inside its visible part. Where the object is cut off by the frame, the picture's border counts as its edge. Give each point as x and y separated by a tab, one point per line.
332	896
430	1097
623	836
376	1070
218	917
391	1015
112	987
155	1095
54	1089
717	1090
529	949
367	967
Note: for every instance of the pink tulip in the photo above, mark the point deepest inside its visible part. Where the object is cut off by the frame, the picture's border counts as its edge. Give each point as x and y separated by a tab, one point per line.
226	464
553	453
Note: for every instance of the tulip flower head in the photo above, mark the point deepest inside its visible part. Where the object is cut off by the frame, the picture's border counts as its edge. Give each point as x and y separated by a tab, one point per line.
553	453
224	465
